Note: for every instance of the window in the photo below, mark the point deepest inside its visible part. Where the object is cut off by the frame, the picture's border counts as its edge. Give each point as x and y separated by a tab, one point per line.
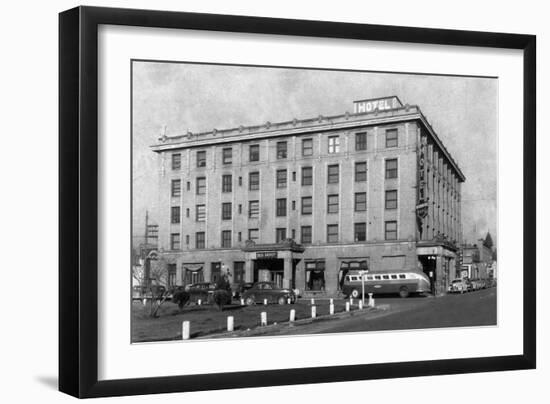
187	212
199	240
281	178
390	230
253	234
393	276
293	234
361	141
175	241
240	208
391	168
333	174
176	161
201	185
360	232
360	201
227	183
227	155
187	239
280	234
332	233
200	213
332	204
176	188
254	152
281	207
305	235
175	214
240	237
385	277
281	150
171	274
238	272
201	158
226	211
307	205
307	147
253	209
293	176
188	186
307	175
391	199
402	276
333	144
226	238
240	181
254	181
293	205
361	171
391	138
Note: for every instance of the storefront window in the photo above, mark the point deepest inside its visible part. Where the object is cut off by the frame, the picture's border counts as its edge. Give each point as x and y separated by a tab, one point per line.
315	275
346	266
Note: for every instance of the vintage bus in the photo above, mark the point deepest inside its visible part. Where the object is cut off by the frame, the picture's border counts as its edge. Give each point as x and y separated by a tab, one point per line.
403	282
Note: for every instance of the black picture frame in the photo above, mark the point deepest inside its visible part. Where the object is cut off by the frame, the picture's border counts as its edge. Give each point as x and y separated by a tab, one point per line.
78	200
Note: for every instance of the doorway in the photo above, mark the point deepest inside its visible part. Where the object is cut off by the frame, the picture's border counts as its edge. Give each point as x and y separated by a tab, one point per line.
429	266
269	270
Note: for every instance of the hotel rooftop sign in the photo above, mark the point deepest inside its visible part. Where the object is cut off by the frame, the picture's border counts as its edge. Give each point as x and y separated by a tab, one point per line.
376	105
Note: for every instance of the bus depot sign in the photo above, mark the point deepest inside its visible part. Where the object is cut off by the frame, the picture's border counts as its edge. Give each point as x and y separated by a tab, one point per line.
266	255
376	105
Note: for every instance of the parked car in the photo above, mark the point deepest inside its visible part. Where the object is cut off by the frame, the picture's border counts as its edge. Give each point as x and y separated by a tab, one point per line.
460	285
270	291
203	291
238	289
143	292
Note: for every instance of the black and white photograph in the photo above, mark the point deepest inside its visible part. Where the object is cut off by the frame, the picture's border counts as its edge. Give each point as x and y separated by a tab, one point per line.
278	200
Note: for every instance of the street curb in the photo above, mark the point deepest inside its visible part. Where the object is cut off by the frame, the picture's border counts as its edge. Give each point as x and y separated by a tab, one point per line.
260	330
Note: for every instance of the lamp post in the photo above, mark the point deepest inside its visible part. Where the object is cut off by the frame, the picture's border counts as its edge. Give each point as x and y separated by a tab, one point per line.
363	274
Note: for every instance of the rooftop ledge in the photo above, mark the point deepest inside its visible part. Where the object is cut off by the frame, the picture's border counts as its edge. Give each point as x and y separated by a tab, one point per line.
301	126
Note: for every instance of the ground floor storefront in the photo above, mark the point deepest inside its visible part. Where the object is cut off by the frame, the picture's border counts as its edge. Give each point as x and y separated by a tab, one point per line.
316	270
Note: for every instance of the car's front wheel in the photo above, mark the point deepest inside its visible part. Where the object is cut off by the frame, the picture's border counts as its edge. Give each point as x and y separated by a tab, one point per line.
250	300
404	292
281	300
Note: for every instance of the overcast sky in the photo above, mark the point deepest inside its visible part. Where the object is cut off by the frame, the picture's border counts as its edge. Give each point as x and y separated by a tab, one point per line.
198	97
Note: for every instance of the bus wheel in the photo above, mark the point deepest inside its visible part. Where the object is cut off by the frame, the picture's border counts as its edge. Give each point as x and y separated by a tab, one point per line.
404	292
354	293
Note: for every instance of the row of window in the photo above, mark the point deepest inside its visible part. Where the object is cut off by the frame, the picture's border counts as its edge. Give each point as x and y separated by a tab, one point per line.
281	178
333	146
333	206
360	234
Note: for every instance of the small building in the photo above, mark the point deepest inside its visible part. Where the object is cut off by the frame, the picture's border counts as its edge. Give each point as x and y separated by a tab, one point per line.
301	202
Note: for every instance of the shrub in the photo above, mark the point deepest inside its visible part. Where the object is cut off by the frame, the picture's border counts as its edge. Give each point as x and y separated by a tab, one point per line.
180	297
222	297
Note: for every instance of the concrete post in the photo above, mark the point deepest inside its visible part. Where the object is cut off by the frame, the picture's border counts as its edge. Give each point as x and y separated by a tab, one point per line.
230	323
185	330
263	318
360	305
371	300
347	306
313	311
265	302
292	315
331	309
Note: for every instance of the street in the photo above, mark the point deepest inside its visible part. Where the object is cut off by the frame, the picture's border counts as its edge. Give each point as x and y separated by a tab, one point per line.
471	309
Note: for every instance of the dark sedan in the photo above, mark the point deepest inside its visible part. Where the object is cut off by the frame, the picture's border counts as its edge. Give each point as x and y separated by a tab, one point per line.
203	291
269	291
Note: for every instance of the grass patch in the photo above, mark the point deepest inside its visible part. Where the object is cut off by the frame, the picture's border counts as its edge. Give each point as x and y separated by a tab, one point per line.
208	319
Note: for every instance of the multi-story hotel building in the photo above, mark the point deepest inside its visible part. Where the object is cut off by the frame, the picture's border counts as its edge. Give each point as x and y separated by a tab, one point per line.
301	202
